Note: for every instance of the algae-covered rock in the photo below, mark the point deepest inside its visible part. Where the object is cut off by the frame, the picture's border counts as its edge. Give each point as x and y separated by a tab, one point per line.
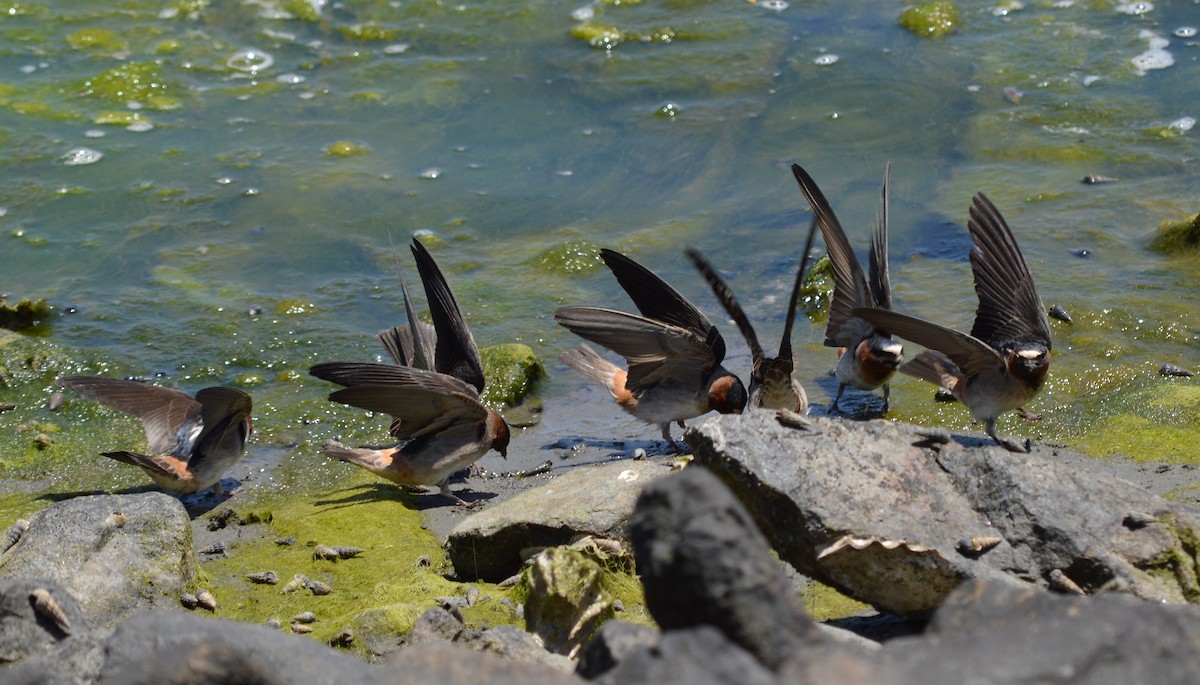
24	314
115	553
567	602
345	148
511	370
1174	237
816	292
931	19
571	257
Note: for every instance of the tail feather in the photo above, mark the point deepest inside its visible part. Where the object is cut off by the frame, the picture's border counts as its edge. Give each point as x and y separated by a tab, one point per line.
933	367
586	361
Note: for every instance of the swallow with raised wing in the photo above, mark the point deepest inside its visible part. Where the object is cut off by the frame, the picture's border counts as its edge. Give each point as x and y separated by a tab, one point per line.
432	392
1002	364
190	441
672	350
772	385
867	355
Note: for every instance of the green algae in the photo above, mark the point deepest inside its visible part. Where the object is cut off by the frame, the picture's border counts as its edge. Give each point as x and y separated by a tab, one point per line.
380	591
302	10
824	603
1178	567
570	257
345	148
1176	237
816	290
368	32
24	314
931	19
95	38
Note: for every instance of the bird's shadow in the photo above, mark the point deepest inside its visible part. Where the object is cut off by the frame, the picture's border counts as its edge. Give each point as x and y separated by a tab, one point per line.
415	499
614	449
196	504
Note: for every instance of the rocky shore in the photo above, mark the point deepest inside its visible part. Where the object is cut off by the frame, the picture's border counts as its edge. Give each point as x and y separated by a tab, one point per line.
971	564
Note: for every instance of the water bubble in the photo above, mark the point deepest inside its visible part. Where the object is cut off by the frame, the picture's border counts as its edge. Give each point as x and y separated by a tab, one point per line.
583	13
669	109
1182	125
1089	80
431	173
81	155
774	5
825	60
1135	8
93	133
140	126
1185	32
292	79
250	192
28	69
396	49
250	60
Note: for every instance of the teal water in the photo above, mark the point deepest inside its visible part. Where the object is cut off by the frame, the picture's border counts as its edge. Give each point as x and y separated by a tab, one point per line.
509	129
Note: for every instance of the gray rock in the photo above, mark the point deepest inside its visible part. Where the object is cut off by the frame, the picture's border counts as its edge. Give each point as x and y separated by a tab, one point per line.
34	648
703	562
114	553
593	501
878	510
700	655
567	601
444	663
611	645
179	648
993	633
514	644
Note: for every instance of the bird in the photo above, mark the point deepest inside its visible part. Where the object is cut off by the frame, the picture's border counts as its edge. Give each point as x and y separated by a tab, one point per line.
868	355
1003	363
432	391
772	385
673	352
191	442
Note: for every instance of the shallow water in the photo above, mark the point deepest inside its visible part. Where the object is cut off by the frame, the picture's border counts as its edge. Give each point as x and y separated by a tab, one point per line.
168	171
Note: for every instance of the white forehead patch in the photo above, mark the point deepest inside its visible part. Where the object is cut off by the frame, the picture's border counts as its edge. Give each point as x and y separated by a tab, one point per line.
893	348
1029	354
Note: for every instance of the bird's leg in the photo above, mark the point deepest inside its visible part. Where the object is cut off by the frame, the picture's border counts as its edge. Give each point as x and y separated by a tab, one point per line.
1007	444
1027	415
887	397
834	407
444	489
666	433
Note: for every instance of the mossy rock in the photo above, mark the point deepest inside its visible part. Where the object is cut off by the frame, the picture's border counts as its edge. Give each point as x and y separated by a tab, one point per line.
931	19
570	257
512	371
1175	237
816	292
24	314
567	600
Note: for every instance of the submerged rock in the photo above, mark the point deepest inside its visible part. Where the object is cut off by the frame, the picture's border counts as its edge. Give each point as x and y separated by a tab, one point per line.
1177	237
931	19
114	553
877	510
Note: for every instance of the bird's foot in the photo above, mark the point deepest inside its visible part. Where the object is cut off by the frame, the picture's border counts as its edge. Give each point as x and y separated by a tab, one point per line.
1027	415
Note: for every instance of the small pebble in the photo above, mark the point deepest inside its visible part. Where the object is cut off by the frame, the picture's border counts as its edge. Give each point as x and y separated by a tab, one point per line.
42	441
1059	582
301	629
298	581
323	552
188	600
424	561
274	623
639	454
214	548
264	578
618	605
1172	370
205	599
348	552
343	639
1092	180
284	542
1057	312
1082	252
7	406
56	401
305	617
472	596
318	588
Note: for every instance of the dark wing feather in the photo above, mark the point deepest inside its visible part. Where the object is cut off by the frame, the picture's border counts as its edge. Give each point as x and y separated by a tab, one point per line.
1010	308
970	354
398	341
655	352
849	284
163	411
456	354
881	282
657	300
224	411
421	404
352	374
785	345
729	301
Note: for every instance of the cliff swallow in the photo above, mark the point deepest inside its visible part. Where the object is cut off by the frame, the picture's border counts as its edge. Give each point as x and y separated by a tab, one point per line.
673	351
771	383
867	355
432	393
1001	365
190	442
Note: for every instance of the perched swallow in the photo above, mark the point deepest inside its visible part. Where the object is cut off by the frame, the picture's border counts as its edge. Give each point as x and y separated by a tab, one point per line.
771	383
673	351
432	393
1001	365
868	355
191	442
